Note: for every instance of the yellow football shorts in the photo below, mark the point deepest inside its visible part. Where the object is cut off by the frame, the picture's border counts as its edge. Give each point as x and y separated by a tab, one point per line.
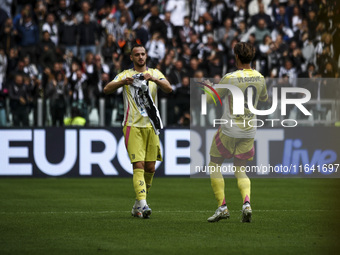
142	144
229	147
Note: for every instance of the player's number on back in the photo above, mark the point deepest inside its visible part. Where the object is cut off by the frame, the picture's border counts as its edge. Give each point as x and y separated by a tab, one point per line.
246	95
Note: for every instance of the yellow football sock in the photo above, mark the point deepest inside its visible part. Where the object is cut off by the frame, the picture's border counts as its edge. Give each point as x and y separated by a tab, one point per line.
217	183
139	183
148	180
243	183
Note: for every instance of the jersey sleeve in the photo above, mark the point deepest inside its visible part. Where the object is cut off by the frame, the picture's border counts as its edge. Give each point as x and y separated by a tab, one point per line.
264	94
221	91
120	76
225	80
158	74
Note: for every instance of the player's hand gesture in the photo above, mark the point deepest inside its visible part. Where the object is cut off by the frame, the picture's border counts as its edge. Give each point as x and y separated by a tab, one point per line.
149	77
128	80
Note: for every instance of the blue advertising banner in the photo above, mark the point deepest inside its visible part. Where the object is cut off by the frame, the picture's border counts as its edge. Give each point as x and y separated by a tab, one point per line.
99	152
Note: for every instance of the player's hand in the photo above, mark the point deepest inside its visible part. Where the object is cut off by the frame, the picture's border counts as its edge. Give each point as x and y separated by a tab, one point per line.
208	82
22	100
149	77
128	80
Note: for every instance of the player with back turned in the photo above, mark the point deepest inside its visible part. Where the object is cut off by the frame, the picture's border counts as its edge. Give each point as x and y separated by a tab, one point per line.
141	122
236	140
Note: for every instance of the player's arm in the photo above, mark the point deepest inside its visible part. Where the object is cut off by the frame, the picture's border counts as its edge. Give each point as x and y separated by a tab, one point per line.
114	85
264	95
221	92
162	83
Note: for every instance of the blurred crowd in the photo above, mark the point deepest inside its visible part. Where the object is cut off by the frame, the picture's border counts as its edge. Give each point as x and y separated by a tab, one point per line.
65	51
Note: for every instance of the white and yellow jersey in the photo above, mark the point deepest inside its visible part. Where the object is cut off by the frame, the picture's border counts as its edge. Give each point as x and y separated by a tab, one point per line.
243	79
132	115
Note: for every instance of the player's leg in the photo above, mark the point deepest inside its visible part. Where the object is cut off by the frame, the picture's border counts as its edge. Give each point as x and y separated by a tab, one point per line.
135	146
244	152
216	178
139	181
152	154
243	181
149	171
217	184
141	208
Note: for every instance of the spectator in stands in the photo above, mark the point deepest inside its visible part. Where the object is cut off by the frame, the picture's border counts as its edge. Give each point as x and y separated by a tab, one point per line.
40	13
18	94
126	44
109	100
262	15
308	49
110	50
289	71
120	28
185	31
312	23
123	11
79	92
264	51
156	24
47	55
199	26
61	11
88	36
167	65
30	68
68	33
51	27
324	51
170	29
217	11
295	55
140	8
178	9
156	50
239	12
94	73
296	20
255	6
29	36
242	32
195	45
57	91
261	31
182	95
193	67
309	5
226	33
85	10
8	36
282	17
176	74
283	30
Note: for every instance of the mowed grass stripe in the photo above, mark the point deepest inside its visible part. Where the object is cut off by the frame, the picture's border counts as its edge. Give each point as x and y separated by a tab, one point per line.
163	212
92	215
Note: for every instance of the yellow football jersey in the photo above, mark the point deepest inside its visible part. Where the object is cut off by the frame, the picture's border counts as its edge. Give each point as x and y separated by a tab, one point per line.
238	126
133	116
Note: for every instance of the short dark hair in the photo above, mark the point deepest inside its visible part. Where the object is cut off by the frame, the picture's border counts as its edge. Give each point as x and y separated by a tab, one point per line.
245	52
136	45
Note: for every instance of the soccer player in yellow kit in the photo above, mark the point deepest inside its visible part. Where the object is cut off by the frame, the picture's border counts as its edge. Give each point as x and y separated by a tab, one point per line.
140	133
236	140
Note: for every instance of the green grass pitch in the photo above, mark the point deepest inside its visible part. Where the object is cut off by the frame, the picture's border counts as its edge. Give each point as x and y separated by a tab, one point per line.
92	216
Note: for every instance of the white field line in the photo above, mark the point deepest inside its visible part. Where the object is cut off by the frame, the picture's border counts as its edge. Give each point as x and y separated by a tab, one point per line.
166	212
